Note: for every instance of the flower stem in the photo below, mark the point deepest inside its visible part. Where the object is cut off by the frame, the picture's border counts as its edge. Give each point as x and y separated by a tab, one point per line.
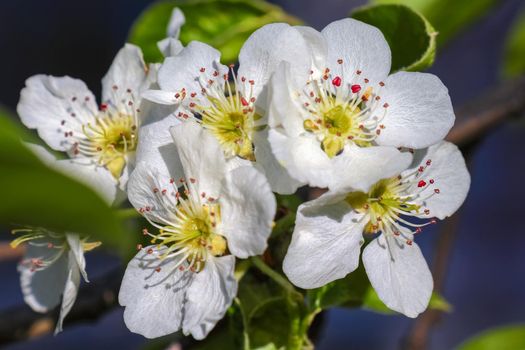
274	275
128	213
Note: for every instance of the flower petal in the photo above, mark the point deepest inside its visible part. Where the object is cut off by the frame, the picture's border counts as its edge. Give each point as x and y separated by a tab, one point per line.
360	46
170	47
247	211
177	20
325	244
278	177
317	43
419	113
399	274
209	296
77	252
127	72
42	288
151	193
156	147
54	106
358	168
303	158
70	290
449	174
160	97
183	70
267	47
154	301
201	157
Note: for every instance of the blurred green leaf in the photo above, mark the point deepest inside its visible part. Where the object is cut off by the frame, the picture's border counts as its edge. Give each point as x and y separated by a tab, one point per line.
35	195
410	36
224	24
447	16
501	338
514	55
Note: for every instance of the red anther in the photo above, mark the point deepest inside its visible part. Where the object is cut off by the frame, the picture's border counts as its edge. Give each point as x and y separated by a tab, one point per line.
211	199
252	99
193	94
431	181
312	94
378	98
62	122
202	70
73	99
396	233
421	183
50	245
192	180
145	231
215	74
382	126
381	83
139	246
203	194
155	190
172	181
337	81
327	70
338	133
419	230
436	190
128	91
366	81
350	137
192	104
87	98
427	211
306	104
386	105
231	65
420	169
181	268
429	162
340	61
203	91
358	72
325	77
243	79
73	115
115	87
355	88
378	132
177	95
150	251
141	210
130	103
164	191
433	221
148	208
103	107
157	269
252	82
409	242
244	102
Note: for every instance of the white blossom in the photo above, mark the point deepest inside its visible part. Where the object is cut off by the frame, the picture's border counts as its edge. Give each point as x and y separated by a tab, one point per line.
329	230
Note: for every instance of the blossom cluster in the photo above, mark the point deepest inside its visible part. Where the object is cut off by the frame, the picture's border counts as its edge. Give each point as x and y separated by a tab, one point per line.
199	148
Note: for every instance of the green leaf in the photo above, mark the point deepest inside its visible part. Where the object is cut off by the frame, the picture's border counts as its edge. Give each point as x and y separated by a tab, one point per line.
35	195
514	55
410	36
224	24
447	16
501	338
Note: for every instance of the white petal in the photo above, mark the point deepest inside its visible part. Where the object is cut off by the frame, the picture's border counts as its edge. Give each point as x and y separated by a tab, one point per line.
48	102
156	147
183	70
170	47
42	289
209	296
128	71
70	290
325	244
160	97
177	20
359	168
267	47
282	109
201	157
278	177
303	158
450	175
77	252
247	211
360	46
154	300
420	111
151	192
399	274
317	43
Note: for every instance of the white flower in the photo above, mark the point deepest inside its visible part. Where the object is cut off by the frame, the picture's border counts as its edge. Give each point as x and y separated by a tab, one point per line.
329	230
339	124
51	269
234	112
204	220
65	114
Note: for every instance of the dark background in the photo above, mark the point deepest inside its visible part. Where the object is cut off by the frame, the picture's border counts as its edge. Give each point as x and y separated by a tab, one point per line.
485	282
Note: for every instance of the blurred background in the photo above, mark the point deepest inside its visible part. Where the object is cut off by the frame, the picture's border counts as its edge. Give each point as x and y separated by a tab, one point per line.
483	276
